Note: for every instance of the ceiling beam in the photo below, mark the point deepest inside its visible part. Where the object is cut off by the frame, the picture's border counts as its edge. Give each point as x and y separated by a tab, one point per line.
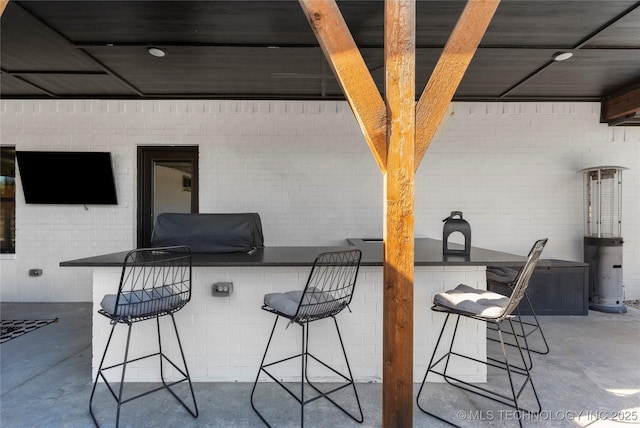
582	43
624	104
27	82
3	5
352	74
453	63
106	70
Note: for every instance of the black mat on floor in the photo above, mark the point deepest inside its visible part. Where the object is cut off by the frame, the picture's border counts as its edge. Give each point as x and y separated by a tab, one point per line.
10	329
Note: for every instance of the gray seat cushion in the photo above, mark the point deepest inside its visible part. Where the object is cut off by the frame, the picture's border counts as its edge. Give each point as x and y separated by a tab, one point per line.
483	303
142	302
503	275
287	303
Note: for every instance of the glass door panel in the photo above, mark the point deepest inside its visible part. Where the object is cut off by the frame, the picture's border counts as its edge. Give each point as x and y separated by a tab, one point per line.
171	187
167	182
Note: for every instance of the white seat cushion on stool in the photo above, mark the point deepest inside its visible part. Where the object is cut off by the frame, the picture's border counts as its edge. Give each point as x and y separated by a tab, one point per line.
486	304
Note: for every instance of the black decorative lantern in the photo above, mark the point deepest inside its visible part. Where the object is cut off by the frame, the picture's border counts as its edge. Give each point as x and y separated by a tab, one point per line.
455	223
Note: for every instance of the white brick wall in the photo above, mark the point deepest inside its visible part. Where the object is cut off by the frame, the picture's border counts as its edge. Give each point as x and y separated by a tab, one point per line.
305	167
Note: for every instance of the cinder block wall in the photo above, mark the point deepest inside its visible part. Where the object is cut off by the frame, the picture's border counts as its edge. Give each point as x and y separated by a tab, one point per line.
305	167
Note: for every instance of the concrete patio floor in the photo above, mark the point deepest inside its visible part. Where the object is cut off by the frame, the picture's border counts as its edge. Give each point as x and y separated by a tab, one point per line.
590	377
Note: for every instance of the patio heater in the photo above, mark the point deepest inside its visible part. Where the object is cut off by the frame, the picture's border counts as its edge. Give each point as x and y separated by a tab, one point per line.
602	238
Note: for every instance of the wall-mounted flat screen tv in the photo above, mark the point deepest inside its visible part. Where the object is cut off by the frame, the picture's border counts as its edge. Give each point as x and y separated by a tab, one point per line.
67	178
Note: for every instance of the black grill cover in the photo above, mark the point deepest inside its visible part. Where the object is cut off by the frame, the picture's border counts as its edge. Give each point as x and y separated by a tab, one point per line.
209	233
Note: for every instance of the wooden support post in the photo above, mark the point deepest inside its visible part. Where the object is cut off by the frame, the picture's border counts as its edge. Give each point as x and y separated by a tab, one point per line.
398	133
397	330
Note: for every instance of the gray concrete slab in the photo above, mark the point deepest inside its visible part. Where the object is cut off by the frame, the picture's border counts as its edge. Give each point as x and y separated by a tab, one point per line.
591	375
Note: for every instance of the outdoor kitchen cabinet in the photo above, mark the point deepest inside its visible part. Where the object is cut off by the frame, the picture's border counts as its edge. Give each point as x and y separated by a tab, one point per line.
557	287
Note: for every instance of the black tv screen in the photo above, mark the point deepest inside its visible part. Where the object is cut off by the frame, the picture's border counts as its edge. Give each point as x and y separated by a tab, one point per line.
67	178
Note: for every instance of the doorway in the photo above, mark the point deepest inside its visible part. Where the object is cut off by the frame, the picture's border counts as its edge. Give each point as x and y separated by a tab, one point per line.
167	182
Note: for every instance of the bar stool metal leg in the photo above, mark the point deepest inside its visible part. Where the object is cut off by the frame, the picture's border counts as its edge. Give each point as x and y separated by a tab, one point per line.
348	379
536	325
100	374
429	367
305	355
511	400
193	412
504	279
261	369
119	396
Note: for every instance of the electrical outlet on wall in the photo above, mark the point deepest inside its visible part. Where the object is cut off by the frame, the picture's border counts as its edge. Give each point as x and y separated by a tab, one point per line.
222	289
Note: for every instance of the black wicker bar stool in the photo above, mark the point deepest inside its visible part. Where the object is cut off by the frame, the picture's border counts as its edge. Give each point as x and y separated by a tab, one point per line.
155	282
494	309
328	291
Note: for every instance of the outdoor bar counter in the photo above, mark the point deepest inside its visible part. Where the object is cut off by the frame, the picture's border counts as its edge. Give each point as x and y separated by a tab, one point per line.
428	252
224	337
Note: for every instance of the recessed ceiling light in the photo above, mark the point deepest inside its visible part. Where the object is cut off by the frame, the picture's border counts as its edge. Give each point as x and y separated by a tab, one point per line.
157	52
562	56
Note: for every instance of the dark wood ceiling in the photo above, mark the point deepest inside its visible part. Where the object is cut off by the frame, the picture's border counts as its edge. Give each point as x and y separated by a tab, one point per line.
265	49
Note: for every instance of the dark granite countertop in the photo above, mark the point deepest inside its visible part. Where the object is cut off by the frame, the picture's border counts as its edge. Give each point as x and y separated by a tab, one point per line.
268	256
428	252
